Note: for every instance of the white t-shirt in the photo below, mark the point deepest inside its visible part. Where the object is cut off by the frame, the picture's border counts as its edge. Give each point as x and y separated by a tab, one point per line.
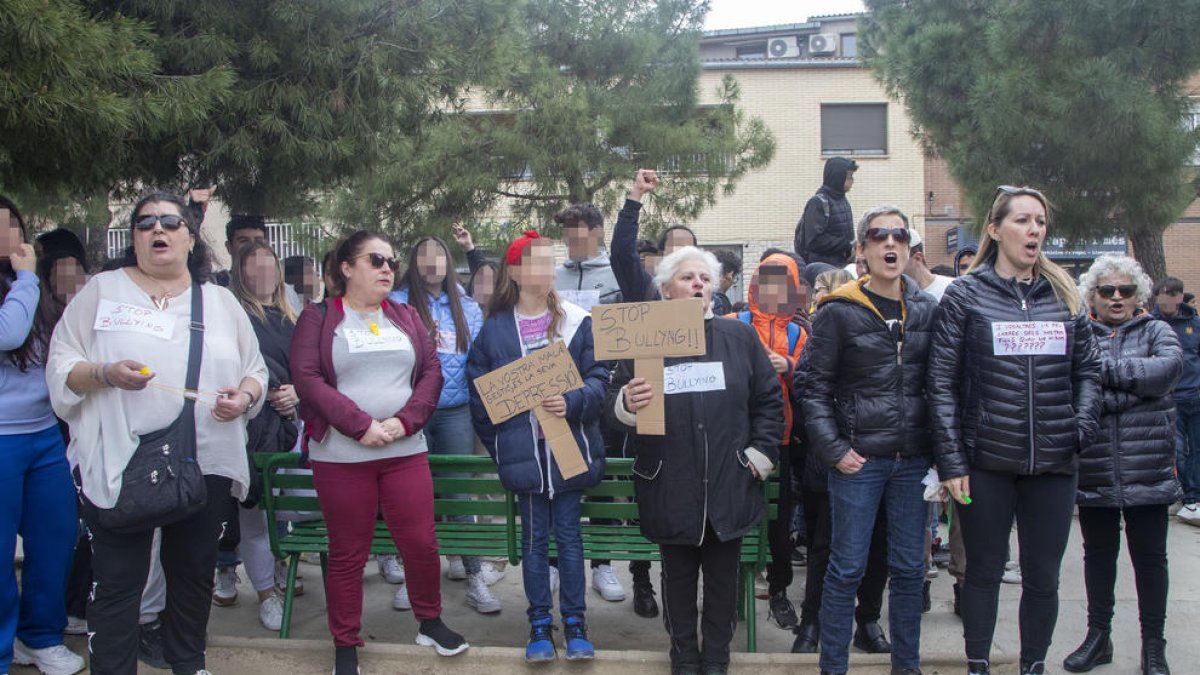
937	287
106	424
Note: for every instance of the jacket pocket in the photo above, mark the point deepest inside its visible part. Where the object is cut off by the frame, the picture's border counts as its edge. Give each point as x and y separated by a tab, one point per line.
647	469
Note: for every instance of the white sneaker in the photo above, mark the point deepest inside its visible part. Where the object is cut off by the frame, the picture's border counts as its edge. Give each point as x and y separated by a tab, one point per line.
605	582
491	573
456	571
400	600
932	572
75	626
270	613
1012	573
1190	513
281	572
56	660
225	587
390	568
553	583
479	596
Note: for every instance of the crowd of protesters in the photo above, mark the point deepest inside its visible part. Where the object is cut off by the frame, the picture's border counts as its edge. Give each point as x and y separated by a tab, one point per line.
870	387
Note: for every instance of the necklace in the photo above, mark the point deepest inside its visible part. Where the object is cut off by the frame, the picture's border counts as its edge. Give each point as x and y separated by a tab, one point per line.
163	298
372	317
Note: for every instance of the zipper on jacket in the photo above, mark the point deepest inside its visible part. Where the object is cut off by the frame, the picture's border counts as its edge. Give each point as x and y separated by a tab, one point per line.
704	517
1028	385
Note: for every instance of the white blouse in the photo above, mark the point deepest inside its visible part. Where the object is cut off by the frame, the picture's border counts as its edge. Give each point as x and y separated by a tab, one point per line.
113	319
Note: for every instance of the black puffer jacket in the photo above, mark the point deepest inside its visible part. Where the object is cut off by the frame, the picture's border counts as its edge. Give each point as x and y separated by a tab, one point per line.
698	471
1132	460
866	382
1017	414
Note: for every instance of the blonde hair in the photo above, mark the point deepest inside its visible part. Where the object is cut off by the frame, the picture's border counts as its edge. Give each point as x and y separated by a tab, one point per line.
237	284
1064	286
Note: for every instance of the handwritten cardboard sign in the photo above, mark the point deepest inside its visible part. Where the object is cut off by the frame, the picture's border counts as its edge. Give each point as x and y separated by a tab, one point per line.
648	332
1029	338
522	385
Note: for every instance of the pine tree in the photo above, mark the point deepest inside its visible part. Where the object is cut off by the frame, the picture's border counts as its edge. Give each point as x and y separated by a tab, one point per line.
1081	98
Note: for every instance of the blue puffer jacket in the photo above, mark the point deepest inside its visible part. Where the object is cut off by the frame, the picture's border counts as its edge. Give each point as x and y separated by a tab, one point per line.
525	464
454	362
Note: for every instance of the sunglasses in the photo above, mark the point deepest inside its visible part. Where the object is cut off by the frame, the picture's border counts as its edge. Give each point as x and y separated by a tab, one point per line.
379	260
1108	291
169	222
900	234
1013	191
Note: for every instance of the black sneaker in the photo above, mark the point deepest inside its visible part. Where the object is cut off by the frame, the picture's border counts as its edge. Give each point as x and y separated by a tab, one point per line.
150	645
644	603
782	612
434	633
799	556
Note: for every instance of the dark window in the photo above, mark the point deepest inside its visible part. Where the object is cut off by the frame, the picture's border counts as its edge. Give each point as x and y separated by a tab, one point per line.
849	45
853	128
755	51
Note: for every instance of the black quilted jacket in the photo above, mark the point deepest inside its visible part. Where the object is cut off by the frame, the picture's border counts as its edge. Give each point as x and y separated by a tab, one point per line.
1017	414
1132	460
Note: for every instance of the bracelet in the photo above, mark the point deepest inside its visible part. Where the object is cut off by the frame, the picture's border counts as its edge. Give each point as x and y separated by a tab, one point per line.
253	400
104	375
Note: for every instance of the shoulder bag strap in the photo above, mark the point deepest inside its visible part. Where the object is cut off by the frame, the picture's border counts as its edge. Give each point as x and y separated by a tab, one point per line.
195	349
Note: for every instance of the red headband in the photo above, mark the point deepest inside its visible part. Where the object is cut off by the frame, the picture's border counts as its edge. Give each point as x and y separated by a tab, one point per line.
519	245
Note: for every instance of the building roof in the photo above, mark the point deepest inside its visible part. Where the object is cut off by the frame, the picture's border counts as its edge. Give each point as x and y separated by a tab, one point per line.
765	64
759	30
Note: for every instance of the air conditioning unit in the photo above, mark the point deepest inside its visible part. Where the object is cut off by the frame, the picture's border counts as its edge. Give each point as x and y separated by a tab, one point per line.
782	48
822	43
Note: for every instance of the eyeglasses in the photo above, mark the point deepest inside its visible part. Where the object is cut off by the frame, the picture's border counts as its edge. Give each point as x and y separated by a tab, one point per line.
169	222
1108	290
900	234
378	260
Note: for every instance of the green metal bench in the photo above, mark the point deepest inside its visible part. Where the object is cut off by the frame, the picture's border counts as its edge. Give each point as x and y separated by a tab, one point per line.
499	532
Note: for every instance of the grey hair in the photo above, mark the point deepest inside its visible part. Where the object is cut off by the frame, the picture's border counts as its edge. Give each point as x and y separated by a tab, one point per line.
864	223
669	265
1117	264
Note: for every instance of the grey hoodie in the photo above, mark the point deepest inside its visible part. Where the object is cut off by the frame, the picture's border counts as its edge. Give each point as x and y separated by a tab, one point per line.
594	274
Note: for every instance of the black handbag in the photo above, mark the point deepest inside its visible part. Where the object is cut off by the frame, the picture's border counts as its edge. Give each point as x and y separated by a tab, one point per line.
162	483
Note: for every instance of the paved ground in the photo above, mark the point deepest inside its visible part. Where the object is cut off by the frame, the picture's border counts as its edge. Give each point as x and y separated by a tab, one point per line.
628	643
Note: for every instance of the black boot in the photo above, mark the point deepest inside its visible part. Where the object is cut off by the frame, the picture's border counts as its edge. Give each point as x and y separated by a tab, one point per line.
978	668
1097	649
345	660
957	595
1034	668
869	637
644	603
926	599
1154	657
808	638
781	611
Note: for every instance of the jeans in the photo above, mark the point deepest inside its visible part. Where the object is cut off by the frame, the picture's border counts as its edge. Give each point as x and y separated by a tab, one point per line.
855	499
870	591
1043	506
1187	447
539	515
449	432
37	500
681	567
120	564
1146	533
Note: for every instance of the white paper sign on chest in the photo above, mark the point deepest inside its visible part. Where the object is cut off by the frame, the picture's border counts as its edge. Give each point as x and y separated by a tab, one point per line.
364	341
125	318
688	378
1029	338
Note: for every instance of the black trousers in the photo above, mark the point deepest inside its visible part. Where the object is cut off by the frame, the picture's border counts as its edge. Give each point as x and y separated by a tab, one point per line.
1043	506
79	583
779	532
820	534
1146	533
681	566
120	563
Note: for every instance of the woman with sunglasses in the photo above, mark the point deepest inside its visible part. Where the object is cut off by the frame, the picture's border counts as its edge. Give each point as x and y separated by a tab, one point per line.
368	377
865	415
1014	394
1128	471
115	379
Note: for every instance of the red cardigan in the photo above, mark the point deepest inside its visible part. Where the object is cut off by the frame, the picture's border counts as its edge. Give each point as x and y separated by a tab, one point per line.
322	405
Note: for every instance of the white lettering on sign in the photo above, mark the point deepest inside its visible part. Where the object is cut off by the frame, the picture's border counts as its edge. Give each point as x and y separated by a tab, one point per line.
1029	338
122	317
687	378
364	341
586	299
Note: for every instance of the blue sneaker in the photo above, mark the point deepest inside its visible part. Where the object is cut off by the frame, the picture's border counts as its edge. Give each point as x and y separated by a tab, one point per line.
579	648
541	641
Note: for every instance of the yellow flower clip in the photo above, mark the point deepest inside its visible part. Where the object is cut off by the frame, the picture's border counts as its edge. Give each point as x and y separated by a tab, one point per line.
374	328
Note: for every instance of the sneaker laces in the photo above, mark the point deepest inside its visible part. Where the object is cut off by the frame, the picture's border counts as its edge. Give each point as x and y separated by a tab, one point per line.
574	629
541	631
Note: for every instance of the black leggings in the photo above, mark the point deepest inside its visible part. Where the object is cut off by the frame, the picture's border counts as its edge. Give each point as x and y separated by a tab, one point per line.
779	532
1146	533
1043	506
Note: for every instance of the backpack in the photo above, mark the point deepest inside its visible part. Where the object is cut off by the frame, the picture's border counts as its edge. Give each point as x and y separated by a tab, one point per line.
793	330
798	241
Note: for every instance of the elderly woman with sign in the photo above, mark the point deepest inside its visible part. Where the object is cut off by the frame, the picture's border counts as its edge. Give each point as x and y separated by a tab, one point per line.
698	485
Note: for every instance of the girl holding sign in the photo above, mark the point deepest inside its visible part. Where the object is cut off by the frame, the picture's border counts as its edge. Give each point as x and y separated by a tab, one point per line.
1014	394
527	315
697	486
368	378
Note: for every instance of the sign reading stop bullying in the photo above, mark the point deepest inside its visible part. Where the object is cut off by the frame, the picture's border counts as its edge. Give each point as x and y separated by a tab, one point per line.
648	332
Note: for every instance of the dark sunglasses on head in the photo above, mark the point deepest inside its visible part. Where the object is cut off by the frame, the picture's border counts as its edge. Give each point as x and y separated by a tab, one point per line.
379	260
900	234
169	222
1108	290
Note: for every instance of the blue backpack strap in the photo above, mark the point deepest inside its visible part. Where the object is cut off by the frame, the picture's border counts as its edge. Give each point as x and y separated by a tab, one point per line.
744	317
793	337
